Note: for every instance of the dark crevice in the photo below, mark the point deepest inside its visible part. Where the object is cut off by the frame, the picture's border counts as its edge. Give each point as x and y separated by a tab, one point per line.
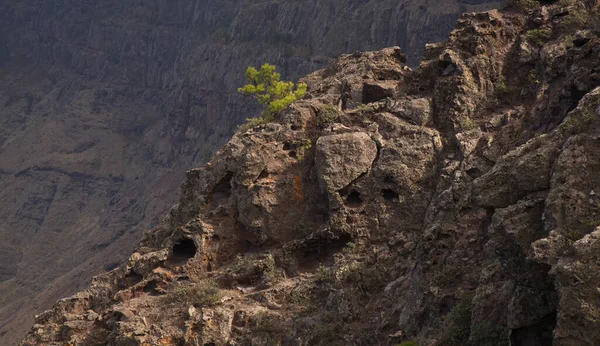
580	41
373	93
319	249
130	280
264	174
474	173
151	288
183	251
576	96
390	195
223	189
538	334
353	200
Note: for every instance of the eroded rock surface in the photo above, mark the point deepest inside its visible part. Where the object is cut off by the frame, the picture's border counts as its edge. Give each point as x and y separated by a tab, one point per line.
105	104
459	209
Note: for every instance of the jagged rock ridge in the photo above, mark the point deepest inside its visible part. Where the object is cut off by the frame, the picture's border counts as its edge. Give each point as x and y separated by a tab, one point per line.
105	104
453	204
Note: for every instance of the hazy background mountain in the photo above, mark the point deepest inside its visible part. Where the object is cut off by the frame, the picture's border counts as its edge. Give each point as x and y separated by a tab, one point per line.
105	104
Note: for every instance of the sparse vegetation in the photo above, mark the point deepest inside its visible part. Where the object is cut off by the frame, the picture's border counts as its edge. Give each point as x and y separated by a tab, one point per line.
350	246
525	4
268	323
324	274
458	327
582	119
500	85
203	293
304	149
446	275
408	343
365	108
582	18
369	278
249	271
489	334
467	124
269	90
254	122
302	229
532	78
538	36
327	115
578	19
574	236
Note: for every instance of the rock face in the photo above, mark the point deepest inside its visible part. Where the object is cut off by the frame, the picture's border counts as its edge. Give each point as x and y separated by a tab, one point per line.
461	208
341	159
105	104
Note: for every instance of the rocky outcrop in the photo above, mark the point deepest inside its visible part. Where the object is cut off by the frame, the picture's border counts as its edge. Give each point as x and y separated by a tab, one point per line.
452	204
104	106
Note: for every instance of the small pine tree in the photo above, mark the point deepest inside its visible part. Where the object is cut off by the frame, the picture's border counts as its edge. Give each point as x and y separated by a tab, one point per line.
266	86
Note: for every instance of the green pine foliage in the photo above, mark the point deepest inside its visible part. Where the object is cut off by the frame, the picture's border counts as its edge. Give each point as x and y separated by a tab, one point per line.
269	90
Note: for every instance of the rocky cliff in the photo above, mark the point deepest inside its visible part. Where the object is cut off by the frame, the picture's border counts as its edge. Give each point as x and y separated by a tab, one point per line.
452	204
105	104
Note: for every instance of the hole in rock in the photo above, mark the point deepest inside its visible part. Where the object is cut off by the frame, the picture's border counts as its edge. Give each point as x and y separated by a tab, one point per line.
547	2
131	279
264	174
150	288
474	172
538	334
293	154
447	304
287	146
223	189
320	250
576	96
353	199
374	93
579	42
390	195
183	251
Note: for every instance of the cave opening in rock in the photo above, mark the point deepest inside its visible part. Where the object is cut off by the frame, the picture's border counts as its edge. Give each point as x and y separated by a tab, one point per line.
151	288
130	279
373	93
223	189
390	195
547	2
353	199
183	251
538	334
